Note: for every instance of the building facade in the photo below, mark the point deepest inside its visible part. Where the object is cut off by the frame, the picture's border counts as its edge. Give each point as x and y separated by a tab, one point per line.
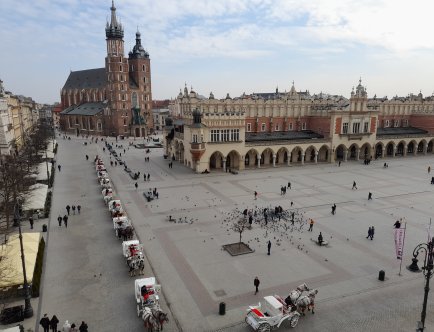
295	128
18	117
115	99
160	112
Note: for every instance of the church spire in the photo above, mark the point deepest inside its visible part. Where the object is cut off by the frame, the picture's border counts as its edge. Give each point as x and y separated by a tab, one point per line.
114	29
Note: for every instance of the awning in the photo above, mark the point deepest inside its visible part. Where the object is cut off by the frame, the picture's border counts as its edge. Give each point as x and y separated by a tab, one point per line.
36	198
10	264
42	171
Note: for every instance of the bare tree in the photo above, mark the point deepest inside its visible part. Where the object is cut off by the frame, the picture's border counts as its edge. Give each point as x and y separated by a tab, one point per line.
240	226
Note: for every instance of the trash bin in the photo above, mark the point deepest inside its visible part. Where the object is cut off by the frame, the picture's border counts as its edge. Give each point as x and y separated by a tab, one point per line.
44	228
222	308
381	275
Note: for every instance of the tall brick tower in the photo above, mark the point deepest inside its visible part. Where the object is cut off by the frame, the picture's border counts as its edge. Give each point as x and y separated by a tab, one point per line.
141	98
118	77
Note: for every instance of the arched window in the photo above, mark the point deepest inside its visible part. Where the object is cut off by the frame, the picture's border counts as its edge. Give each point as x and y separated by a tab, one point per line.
120	68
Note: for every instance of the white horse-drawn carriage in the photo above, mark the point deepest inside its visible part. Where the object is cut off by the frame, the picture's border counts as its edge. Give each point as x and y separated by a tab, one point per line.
276	310
147	292
123	227
115	208
133	252
105	182
107	194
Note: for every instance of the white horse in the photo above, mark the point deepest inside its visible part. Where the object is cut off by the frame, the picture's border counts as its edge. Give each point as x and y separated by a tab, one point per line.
306	302
154	319
295	294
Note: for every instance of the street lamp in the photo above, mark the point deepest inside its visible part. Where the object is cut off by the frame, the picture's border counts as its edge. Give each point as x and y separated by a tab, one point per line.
427	250
28	310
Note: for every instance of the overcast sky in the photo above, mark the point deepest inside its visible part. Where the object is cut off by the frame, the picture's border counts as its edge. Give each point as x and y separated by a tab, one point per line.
226	46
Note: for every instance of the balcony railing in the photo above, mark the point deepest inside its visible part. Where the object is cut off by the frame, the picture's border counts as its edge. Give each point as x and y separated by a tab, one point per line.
197	146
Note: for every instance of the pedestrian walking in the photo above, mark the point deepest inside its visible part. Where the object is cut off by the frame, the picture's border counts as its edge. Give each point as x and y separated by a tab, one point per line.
73	328
68	208
256	283
59	167
73	209
289	185
116	163
354	185
53	323
269	247
59	219
65	220
87	158
136	185
78	208
45	323
320	239
111	163
311	225
429	169
31	222
369	196
83	327
339	163
334	209
369	232
372	232
256	195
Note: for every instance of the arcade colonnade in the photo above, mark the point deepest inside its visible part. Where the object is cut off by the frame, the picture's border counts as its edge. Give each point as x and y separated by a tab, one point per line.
258	156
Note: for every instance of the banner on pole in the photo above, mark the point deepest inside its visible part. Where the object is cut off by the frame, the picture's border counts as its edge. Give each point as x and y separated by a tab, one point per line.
399	241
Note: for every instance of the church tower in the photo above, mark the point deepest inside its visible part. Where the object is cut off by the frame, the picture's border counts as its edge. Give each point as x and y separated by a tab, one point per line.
140	73
117	71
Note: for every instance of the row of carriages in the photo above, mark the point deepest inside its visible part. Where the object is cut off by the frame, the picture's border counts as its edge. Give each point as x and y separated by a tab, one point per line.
146	290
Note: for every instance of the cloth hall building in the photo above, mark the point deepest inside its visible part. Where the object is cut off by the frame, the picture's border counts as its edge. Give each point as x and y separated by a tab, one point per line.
115	99
295	128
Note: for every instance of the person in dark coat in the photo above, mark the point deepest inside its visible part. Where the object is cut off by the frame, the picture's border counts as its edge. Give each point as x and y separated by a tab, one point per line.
320	239
59	167
31	222
53	323
369	232
59	219
372	232
369	196
65	220
136	185
256	283
73	209
78	208
45	323
83	327
397	224
68	208
269	247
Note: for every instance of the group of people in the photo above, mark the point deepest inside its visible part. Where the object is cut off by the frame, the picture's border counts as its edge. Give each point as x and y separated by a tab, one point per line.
66	216
73	208
53	323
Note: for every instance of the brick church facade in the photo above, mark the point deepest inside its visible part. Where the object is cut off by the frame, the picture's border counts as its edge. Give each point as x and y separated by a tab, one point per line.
115	99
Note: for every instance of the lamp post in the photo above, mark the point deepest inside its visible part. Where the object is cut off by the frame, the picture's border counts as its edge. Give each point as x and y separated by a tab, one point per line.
28	310
428	264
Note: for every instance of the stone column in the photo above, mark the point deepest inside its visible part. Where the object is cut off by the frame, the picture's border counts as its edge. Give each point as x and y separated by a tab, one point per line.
224	164
383	152
425	149
274	160
345	154
259	161
289	159
394	151
241	163
316	157
404	153
357	153
302	158
415	150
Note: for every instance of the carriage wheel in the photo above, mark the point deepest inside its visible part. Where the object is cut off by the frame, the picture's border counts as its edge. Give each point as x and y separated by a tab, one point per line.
264	327
294	321
138	311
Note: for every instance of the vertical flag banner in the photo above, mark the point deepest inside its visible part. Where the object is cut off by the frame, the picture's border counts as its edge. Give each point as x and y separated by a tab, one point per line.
399	241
